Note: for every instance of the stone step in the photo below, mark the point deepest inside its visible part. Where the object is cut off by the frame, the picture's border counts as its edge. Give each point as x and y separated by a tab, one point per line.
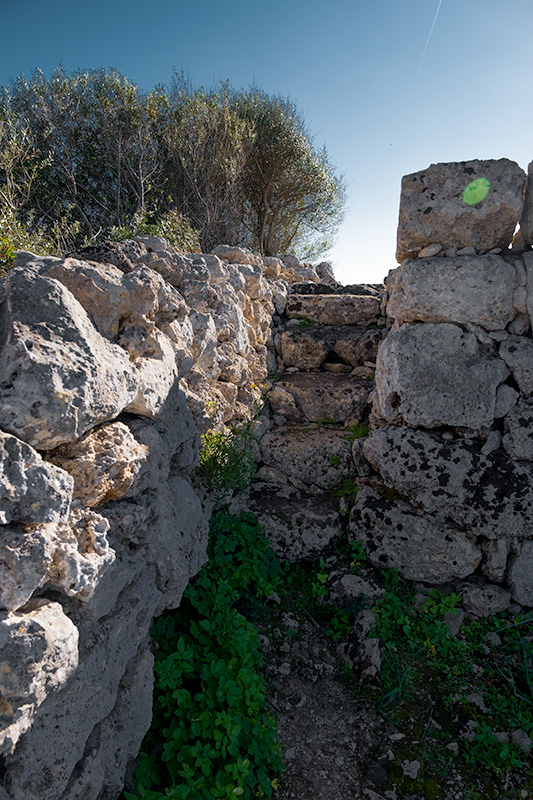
308	457
297	525
333	309
308	348
326	397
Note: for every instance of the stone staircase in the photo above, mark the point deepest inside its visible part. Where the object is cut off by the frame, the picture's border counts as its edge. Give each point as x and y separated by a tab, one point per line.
326	345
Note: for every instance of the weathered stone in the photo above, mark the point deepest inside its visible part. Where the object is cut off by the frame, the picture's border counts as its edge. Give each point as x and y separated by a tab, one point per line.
435	374
526	221
344	589
25	558
123	255
103	464
484	600
302	349
518	438
432	208
38	653
319	458
32	491
337	398
100	771
430	251
420	547
490	495
519	574
494	563
333	309
506	398
517	352
356	347
296	528
475	289
58	376
105	650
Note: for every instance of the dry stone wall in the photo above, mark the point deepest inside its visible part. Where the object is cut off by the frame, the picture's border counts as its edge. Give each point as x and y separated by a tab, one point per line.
112	360
451	496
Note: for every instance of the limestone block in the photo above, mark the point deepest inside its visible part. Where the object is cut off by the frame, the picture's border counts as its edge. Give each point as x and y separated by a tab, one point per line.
25	558
238	255
104	463
517	352
432	208
58	376
82	553
106	647
302	349
100	771
355	346
204	343
318	458
420	547
296	528
518	438
484	600
32	491
333	309
476	289
435	374
340	398
519	574
123	255
38	653
494	564
491	495
157	370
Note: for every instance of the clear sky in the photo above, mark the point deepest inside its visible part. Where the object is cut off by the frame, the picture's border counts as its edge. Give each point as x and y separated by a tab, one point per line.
353	68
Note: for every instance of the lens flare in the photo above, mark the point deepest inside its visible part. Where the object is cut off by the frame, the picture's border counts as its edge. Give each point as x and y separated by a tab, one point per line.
476	191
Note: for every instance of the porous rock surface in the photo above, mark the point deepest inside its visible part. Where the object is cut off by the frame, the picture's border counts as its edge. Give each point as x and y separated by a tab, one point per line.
433	209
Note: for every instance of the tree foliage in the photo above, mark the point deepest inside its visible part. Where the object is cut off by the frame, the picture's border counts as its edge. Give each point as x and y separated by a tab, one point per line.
86	154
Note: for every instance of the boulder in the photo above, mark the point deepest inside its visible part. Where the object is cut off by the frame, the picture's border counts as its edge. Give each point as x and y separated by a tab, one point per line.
303	349
436	374
104	463
517	353
32	491
526	222
298	527
519	574
308	348
471	289
38	653
319	458
59	377
326	398
421	547
518	438
490	495
333	309
438	204
484	600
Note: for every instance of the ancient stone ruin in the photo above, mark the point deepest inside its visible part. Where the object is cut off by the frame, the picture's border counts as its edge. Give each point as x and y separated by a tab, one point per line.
114	359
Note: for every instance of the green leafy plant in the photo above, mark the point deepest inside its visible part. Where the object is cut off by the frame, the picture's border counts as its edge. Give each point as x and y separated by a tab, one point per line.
226	461
357	431
211	735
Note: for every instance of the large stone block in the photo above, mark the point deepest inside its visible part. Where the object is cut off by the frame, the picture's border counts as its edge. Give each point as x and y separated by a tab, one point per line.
58	376
315	398
318	458
38	653
333	309
433	207
475	289
421	547
434	374
491	495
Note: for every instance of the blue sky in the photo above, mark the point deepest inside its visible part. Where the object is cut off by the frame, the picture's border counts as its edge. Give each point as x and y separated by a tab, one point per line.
352	68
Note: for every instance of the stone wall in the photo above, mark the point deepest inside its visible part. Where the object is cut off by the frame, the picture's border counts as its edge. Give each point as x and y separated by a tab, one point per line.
111	362
114	359
451	497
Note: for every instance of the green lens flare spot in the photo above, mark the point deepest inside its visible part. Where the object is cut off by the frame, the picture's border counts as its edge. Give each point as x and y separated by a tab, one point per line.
476	191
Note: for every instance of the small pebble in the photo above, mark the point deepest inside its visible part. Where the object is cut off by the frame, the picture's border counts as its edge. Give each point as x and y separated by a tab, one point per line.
430	251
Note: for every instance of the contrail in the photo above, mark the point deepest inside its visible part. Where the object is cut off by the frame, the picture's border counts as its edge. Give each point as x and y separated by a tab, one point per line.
427	40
